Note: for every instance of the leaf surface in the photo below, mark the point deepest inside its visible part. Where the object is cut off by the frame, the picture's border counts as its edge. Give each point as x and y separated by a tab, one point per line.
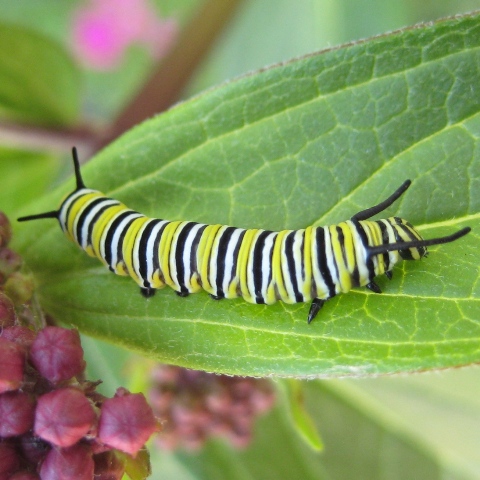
311	141
39	82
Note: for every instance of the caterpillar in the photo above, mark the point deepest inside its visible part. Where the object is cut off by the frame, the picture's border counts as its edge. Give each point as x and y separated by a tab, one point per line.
315	263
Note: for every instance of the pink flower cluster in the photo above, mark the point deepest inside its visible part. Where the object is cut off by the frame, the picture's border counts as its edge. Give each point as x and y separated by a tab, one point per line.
196	405
53	423
51	420
104	29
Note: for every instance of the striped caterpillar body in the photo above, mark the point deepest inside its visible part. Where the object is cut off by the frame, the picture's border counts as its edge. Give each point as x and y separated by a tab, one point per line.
315	263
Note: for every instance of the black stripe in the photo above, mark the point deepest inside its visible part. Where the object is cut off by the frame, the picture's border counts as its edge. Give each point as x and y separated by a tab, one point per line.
109	237
143	253
257	268
385	240
341	240
322	261
193	253
95	219
67	213
289	242
406	254
122	237
364	238
156	246
221	254
236	252
182	238
83	216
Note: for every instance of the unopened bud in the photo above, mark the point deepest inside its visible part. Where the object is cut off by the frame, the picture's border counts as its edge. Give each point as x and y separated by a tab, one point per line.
24	476
16	412
9	461
19	287
108	466
68	463
7	311
63	417
5	230
21	335
57	353
126	422
10	261
12	362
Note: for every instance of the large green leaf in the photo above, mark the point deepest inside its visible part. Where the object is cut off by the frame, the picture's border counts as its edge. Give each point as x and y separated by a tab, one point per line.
310	141
38	81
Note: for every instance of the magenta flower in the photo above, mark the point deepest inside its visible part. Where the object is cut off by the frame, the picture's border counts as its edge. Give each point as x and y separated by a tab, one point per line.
104	29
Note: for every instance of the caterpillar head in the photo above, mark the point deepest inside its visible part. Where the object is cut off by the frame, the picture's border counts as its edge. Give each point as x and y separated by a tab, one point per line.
409	243
405	232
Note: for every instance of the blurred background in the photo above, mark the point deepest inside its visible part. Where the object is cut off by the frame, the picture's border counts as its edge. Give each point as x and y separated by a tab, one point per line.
418	426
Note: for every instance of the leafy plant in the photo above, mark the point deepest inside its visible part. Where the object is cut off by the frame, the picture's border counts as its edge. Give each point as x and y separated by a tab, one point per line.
310	141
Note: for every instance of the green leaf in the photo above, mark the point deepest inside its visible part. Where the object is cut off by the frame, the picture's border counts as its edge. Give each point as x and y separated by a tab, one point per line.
301	418
311	141
38	81
17	169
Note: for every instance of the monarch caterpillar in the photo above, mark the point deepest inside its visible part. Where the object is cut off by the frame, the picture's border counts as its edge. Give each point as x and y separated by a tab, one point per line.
315	263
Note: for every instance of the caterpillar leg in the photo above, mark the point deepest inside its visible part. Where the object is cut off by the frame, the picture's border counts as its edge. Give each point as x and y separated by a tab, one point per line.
389	275
217	297
374	287
183	294
317	304
147	292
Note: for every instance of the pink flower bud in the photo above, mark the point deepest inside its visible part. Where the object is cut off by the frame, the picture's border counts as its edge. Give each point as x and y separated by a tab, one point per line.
9	461
68	463
19	287
126	422
108	466
12	361
24	476
33	448
63	417
10	261
57	353
7	311
22	336
5	230
16	413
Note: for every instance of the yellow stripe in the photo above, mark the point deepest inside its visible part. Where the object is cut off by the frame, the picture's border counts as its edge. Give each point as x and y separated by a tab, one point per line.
99	228
164	251
343	273
242	264
203	254
77	207
277	264
307	262
128	244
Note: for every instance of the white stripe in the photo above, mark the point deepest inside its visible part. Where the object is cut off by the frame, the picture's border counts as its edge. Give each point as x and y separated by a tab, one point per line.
267	263
189	255
89	218
230	262
321	289
116	238
68	202
150	253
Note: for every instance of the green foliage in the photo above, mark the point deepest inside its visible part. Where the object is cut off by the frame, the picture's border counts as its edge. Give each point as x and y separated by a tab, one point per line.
310	141
17	169
409	427
38	81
